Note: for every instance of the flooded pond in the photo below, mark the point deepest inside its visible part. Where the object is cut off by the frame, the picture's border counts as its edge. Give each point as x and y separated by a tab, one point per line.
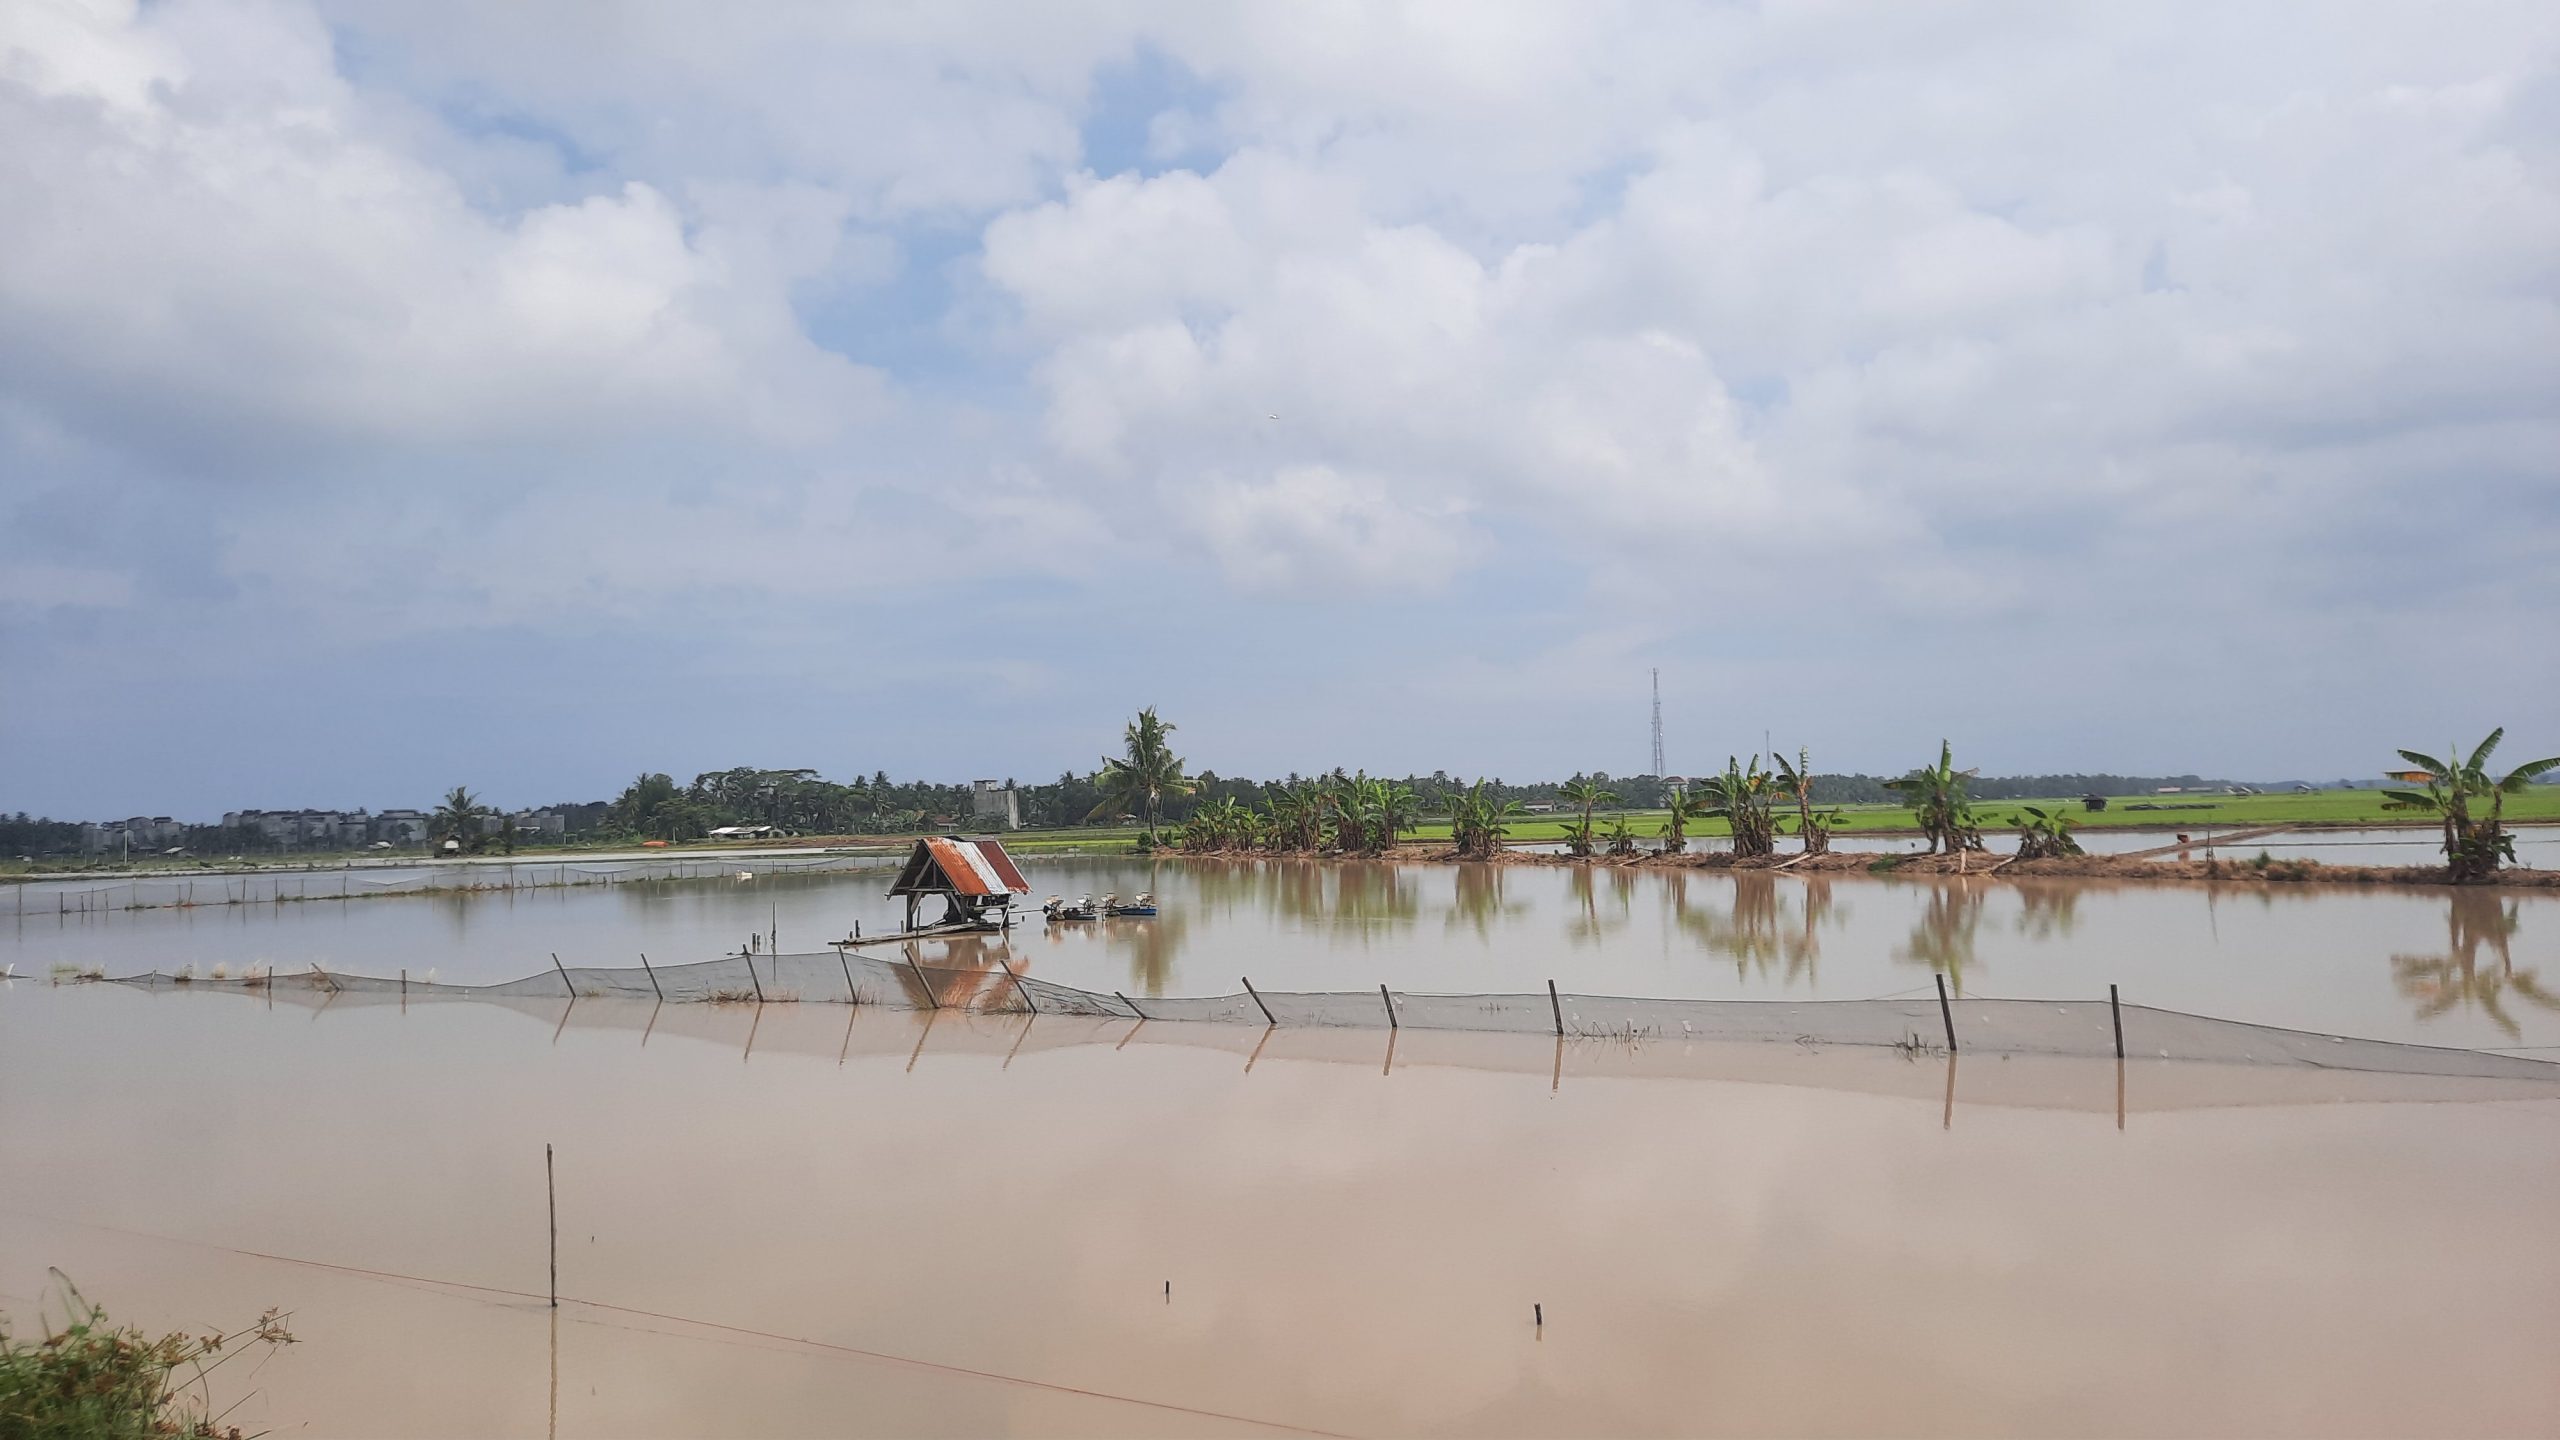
878	1222
2470	968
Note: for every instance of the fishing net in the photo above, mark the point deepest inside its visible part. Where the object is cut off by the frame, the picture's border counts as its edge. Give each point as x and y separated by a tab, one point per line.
2004	1027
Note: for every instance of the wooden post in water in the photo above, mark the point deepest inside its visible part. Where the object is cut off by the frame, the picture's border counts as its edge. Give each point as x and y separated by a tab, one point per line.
564	975
551	1195
849	997
1018	986
1556	1003
1257	1002
931	999
653	980
1392	1023
1132	1004
752	980
2115	1012
1946	1013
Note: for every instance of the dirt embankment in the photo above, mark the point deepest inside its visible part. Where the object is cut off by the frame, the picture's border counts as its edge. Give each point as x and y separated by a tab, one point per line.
2095	867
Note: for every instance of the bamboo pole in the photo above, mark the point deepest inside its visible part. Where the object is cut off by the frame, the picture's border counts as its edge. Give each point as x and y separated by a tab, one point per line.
2115	1012
1946	1013
1018	986
551	1195
1556	1003
653	980
1389	1000
1257	1002
1132	1004
564	975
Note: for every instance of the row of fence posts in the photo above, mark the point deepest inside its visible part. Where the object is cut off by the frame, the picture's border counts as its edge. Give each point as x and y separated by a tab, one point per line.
1555	1000
1946	1013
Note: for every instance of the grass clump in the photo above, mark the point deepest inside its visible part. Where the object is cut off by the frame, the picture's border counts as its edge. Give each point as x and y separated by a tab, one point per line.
91	1379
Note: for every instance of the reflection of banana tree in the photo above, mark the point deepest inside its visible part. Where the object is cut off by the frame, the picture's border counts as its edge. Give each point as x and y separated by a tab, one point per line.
2047	912
1372	900
1943	940
1589	925
2442	982
1755	931
1478	903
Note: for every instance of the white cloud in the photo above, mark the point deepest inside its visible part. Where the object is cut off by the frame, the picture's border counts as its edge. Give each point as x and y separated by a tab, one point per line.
1831	328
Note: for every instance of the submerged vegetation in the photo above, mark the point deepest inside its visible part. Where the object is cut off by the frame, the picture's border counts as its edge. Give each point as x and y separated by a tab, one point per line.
91	1379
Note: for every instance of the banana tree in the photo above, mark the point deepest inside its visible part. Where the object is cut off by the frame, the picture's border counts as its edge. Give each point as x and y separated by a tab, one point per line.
1813	826
1741	798
1686	808
2045	835
1588	795
2474	845
1477	820
1936	795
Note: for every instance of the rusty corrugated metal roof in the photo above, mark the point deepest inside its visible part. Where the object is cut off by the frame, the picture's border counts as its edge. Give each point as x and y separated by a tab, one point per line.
1002	864
941	864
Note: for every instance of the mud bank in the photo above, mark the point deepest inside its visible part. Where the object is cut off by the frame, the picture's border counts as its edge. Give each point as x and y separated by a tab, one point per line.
2090	867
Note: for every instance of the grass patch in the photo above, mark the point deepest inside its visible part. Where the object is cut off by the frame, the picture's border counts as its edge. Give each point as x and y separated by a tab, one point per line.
88	1378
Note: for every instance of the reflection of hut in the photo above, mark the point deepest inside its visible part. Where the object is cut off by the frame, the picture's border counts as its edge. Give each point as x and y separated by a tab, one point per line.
973	877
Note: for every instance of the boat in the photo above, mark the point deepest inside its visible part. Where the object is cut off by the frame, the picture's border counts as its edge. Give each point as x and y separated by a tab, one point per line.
1142	907
1058	911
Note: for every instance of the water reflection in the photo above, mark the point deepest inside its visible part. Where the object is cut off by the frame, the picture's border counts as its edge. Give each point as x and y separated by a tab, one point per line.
1151	947
1594	918
2439	983
1478	902
2047	911
1943	939
1753	927
1363	899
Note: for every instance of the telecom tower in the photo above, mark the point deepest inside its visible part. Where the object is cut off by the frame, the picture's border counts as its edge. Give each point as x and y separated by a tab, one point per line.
1659	769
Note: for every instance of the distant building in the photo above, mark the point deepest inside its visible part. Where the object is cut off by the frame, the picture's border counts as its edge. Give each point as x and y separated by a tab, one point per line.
140	832
995	804
401	827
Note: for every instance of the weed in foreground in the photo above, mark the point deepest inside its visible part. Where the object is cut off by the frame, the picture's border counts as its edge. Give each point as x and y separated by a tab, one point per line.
90	1379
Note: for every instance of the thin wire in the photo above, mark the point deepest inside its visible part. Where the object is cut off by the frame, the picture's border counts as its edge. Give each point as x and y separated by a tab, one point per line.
854	1350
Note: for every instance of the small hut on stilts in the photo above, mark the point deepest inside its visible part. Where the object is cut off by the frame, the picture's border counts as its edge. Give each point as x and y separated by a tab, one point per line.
975	878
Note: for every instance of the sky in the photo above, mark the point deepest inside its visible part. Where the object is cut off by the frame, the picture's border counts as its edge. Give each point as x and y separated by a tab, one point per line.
400	395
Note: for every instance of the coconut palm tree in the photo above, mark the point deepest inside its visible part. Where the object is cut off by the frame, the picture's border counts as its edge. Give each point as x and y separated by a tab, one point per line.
458	819
1146	772
1936	795
1588	795
2474	845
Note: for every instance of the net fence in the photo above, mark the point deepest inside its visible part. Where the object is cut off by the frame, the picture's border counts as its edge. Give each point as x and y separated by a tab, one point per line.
2005	1027
366	882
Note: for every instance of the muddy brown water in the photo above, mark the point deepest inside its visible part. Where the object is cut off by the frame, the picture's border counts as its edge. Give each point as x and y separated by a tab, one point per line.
2471	968
876	1222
